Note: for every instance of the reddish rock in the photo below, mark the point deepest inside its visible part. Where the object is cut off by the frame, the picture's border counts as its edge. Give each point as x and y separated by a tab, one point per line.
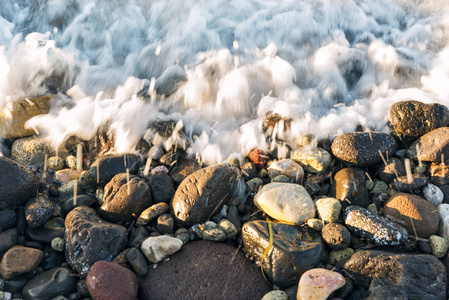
417	215
18	260
319	284
107	280
258	157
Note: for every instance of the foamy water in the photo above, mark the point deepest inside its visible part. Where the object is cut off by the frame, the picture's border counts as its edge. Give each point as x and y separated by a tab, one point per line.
218	67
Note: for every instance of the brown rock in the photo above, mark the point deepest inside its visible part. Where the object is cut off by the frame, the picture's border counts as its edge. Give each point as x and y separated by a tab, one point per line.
19	260
319	284
432	146
204	270
14	115
349	186
417	215
183	169
108	280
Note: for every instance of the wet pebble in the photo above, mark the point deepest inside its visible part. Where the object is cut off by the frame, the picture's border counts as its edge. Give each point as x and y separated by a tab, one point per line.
80	200
137	237
431	146
58	244
393	169
249	171
319	284
438	245
19	260
183	234
162	187
288	168
71	162
402	184
53	228
50	284
152	213
349	186
313	160
55	163
137	261
228	228
336	236
433	194
8	238
315	224
209	231
335	256
328	209
7	219
157	248
165	224
38	211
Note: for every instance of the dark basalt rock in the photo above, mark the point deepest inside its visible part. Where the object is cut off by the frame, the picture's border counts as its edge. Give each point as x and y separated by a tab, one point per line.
109	166
183	169
411	119
203	193
420	276
402	184
8	239
349	186
90	239
38	211
162	187
362	149
17	184
86	200
7	219
294	251
393	169
54	227
52	283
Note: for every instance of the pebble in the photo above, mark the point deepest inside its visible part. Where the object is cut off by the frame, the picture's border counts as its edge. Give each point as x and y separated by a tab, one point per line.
68	189
349	186
8	218
315	224
156	152
137	237
108	280
443	226
281	178
152	213
209	231
38	211
379	187
275	295
249	171
417	215
157	248
335	256
70	161
183	169
258	157
286	167
431	146
58	244
67	175
137	261
165	224
55	163
53	228
52	283
439	246
182	234
254	185
336	236
18	260
80	200
319	284
286	202
8	238
328	209
313	160
228	228
433	194
29	151
402	183
393	169
162	187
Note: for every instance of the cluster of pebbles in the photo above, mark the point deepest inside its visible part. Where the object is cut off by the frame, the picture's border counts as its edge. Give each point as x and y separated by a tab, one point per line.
365	216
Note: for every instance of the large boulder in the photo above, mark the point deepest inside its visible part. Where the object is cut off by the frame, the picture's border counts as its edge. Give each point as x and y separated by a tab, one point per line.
204	193
17	184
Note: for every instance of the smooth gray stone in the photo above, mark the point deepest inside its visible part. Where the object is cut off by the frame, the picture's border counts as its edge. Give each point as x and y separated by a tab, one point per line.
86	200
54	282
137	261
137	237
8	239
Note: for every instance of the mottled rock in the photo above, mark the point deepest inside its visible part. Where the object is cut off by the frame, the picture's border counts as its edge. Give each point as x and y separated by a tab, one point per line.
203	193
137	261
288	168
7	219
286	202
38	211
418	216
152	213
55	163
376	229
319	284
335	256
349	187
52	283
313	160
439	246
19	260
109	166
336	236
315	224
411	119
90	239
8	238
108	280
254	185
14	115
209	231
420	276
228	228
363	149
125	196
439	173
183	169
137	237
29	151
393	169
66	175
328	209
58	244
294	250
182	234
165	224
431	146
205	270
156	248
17	183
379	188
162	188
433	194
70	161
402	184
275	295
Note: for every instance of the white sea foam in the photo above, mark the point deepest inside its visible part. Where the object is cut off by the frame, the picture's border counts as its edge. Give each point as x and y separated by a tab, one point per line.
327	66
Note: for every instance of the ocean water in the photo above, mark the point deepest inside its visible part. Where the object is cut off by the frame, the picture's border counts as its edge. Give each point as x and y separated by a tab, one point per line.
218	68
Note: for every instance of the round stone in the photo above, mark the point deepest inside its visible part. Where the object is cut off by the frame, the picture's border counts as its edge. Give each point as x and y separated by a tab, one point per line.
275	295
58	244
313	160
228	228
319	284
336	236
7	219
335	256
328	209
315	224
286	167
55	163
433	194
157	248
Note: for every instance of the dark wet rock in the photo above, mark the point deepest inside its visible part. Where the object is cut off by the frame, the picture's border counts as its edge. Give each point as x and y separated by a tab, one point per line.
152	213
402	184
420	276
38	211
86	200
411	119
137	237
294	251
374	228
52	228
419	216
439	173
8	238
137	261
362	148
445	190
19	260
424	247
234	218
249	171
125	199
381	289
52	259
170	80
7	219
108	280
183	169
349	187
52	283
162	187
90	239
205	270
17	183
109	166
393	169
336	236
431	146
165	224
171	158
203	193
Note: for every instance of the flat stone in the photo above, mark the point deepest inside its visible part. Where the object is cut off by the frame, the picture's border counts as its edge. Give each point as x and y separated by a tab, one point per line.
349	187
313	160
393	169
286	167
39	210
328	209
315	224
66	175
162	187
417	215
137	261
100	240
439	246
294	250
111	165
336	236
14	115
18	260
228	228
203	193
18	183
209	231
108	280
362	149
205	270
411	119
319	284
8	238
286	202
431	146
152	213
420	276
125	197
137	237
156	248
54	282
376	229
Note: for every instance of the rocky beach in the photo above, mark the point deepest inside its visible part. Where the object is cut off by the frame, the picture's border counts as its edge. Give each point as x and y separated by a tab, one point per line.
362	216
